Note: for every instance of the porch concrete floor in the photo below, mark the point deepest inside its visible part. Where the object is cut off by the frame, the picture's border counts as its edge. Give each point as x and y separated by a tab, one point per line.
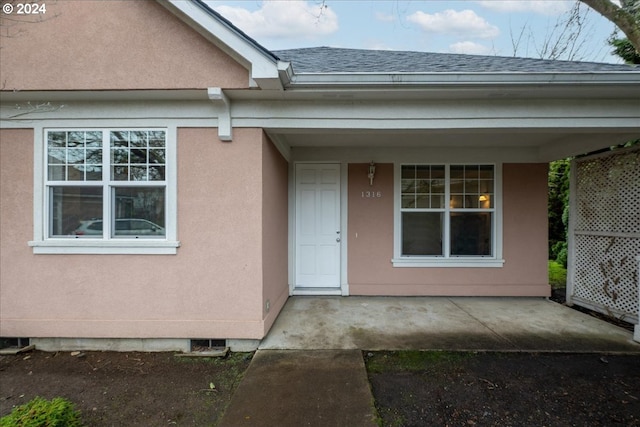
441	323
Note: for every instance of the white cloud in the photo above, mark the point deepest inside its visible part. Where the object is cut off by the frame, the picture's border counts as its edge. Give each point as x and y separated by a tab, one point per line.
542	7
283	19
470	48
383	17
465	23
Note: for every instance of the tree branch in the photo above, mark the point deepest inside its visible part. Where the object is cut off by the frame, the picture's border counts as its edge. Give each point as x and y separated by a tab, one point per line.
626	18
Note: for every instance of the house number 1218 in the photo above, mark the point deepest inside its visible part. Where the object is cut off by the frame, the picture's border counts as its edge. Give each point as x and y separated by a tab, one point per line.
371	194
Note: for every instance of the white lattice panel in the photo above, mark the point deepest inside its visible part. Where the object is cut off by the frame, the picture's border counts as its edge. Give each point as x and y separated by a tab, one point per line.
608	193
606	272
606	233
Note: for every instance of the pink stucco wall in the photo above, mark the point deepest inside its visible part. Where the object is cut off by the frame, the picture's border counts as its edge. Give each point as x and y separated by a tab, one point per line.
211	289
525	241
275	200
93	44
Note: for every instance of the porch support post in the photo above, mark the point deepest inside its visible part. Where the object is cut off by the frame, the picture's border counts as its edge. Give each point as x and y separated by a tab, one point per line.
224	118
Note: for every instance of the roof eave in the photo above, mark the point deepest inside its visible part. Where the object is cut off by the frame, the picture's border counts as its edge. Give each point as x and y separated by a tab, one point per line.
355	80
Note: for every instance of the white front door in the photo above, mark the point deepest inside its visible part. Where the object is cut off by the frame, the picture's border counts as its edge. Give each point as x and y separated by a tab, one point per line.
318	236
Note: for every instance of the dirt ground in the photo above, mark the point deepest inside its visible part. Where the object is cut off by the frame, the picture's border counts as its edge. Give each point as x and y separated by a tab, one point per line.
505	389
125	389
410	388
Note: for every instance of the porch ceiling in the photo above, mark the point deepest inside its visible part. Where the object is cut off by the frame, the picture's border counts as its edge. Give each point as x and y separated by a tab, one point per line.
540	144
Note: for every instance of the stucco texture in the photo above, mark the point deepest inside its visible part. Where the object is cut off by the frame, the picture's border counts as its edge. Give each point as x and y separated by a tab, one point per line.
99	45
275	201
211	289
524	241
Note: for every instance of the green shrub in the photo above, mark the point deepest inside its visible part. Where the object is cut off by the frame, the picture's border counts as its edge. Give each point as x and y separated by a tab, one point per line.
39	412
557	275
562	257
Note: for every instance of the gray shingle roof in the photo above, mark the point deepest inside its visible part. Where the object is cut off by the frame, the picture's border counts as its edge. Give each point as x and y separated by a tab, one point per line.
338	60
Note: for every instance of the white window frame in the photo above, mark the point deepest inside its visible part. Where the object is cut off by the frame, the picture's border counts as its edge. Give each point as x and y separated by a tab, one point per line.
494	260
43	244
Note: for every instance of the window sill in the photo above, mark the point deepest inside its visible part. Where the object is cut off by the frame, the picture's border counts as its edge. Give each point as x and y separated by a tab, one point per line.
128	247
446	263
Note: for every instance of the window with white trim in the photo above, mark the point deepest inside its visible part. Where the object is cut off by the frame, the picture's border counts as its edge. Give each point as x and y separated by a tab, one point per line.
106	184
446	213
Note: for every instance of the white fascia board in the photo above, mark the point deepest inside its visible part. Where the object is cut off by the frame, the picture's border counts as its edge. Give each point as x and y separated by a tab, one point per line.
262	67
460	79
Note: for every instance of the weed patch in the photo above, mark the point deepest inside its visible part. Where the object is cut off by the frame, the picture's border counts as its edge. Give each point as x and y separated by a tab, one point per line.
411	360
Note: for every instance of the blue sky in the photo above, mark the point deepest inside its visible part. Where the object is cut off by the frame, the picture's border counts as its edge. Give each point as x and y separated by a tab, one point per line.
464	26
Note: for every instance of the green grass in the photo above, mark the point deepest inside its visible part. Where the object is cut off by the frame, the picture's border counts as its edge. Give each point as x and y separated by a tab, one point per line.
39	412
557	275
410	360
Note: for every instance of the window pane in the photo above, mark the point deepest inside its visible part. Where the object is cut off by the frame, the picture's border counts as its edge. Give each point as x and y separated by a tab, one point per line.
422	233
437	172
437	201
139	211
76	173
457	201
119	156
423	172
408	185
486	172
120	173
120	139
75	156
156	138
438	186
56	139
74	210
138	139
485	201
471	234
408	201
408	172
75	139
94	172
471	201
422	201
57	156
138	156
471	172
70	148
138	173
423	186
485	186
138	162
471	186
156	156
93	139
156	173
94	157
457	186
457	172
57	173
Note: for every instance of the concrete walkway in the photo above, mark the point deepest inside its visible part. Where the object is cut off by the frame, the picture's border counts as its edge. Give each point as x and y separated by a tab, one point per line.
309	370
442	323
303	388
